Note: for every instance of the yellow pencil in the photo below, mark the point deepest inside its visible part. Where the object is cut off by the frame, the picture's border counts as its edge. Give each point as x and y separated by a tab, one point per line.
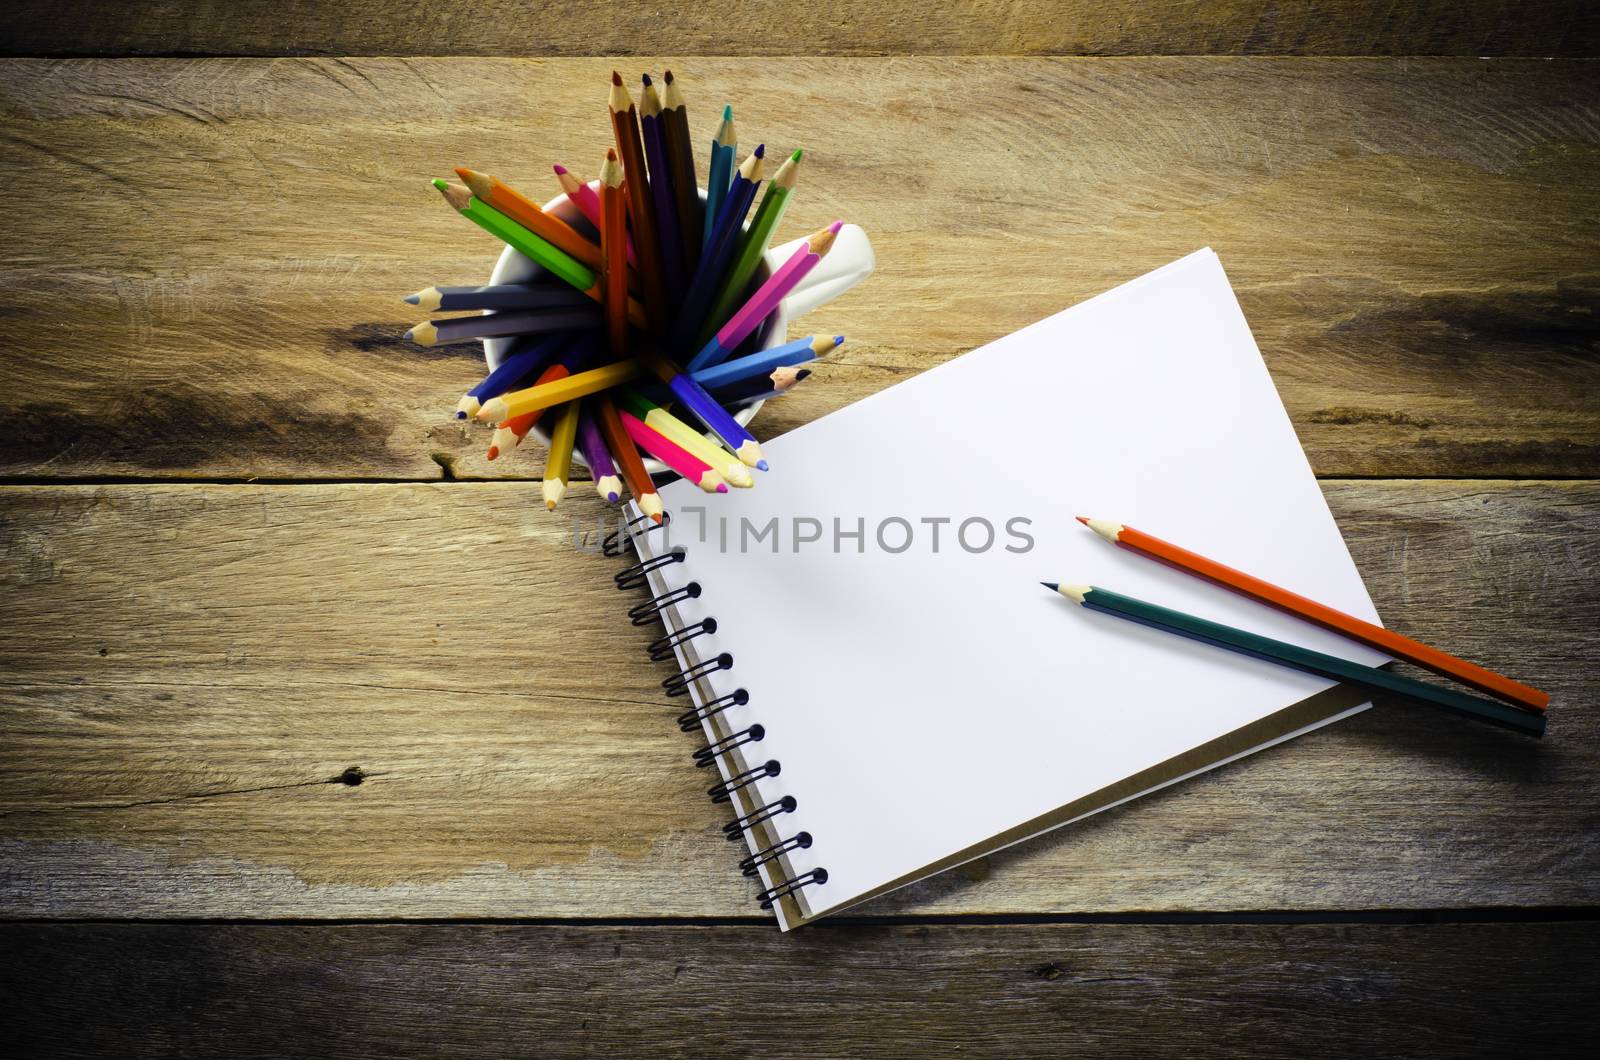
558	464
556	392
673	429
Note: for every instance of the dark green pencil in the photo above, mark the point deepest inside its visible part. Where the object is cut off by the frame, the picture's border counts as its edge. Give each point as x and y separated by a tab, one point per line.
1298	658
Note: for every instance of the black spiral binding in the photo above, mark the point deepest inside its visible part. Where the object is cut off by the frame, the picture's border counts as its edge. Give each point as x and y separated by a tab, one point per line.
680	683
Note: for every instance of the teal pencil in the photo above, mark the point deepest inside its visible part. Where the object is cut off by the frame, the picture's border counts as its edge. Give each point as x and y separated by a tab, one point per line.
1297	658
722	148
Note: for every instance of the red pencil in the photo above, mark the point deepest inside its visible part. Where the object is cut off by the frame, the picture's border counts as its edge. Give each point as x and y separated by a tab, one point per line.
1374	636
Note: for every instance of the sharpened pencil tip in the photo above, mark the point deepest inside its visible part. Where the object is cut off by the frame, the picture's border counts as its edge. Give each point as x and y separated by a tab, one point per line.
838	340
560	169
406	336
804	373
611	497
616	78
727	112
796	156
460	415
647	81
611	154
1084	519
760	151
667	77
761	465
440	183
413	299
494	451
1054	587
834	228
722	487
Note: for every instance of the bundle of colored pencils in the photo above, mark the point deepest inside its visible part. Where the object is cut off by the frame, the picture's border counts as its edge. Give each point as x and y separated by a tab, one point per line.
641	334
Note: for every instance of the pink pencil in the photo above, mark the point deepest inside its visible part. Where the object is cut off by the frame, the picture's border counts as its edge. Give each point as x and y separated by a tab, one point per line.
588	202
766	298
673	455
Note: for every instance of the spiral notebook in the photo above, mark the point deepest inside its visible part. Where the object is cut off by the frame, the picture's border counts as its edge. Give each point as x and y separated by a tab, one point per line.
884	689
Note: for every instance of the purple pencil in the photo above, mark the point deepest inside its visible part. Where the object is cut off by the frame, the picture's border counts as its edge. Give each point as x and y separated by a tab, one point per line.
662	191
593	446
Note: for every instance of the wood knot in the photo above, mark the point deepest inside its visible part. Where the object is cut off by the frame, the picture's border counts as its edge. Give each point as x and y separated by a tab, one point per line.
352	776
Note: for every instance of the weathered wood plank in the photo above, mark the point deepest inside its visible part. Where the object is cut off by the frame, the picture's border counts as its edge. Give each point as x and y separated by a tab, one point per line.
831	27
1113	990
206	279
192	669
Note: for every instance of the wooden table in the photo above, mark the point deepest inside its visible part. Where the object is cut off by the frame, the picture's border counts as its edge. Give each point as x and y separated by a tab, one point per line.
280	770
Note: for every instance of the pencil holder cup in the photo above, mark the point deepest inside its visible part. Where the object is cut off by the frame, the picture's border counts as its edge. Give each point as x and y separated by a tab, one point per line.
847	264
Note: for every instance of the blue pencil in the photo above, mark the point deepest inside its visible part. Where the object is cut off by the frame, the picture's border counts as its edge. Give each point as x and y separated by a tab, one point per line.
717	255
524	360
722	147
716	419
762	362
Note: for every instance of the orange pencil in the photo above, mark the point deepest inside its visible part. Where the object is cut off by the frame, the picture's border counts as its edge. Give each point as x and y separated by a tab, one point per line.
1374	636
630	149
527	213
509	433
614	241
627	457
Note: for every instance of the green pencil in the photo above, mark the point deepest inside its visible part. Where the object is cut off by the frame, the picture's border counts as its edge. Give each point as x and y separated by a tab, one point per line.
506	230
1298	658
752	244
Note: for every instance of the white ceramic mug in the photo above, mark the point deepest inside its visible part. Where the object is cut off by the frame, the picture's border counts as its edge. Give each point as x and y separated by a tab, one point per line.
847	264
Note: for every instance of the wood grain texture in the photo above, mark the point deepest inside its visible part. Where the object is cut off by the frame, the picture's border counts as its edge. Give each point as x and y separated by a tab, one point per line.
829	27
205	280
1060	990
193	671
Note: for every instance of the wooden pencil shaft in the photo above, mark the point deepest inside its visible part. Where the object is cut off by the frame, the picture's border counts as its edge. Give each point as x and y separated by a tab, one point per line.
1311	662
750	246
517	322
627	456
529	215
679	459
615	226
563	434
565	267
523	361
713	265
497	296
665	202
630	152
757	364
1374	636
548	395
680	160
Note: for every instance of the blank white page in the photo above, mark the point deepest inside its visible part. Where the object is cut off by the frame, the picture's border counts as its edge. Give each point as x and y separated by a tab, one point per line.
926	700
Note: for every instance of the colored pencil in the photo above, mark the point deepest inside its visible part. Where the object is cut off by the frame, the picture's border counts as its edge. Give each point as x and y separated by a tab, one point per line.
1368	633
511	431
548	395
630	151
705	409
723	144
592	444
523	361
562	265
751	244
558	461
716	254
673	455
614	223
665	423
1297	658
527	213
762	362
627	458
496	325
662	195
582	193
766	298
680	160
496	296
779	383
